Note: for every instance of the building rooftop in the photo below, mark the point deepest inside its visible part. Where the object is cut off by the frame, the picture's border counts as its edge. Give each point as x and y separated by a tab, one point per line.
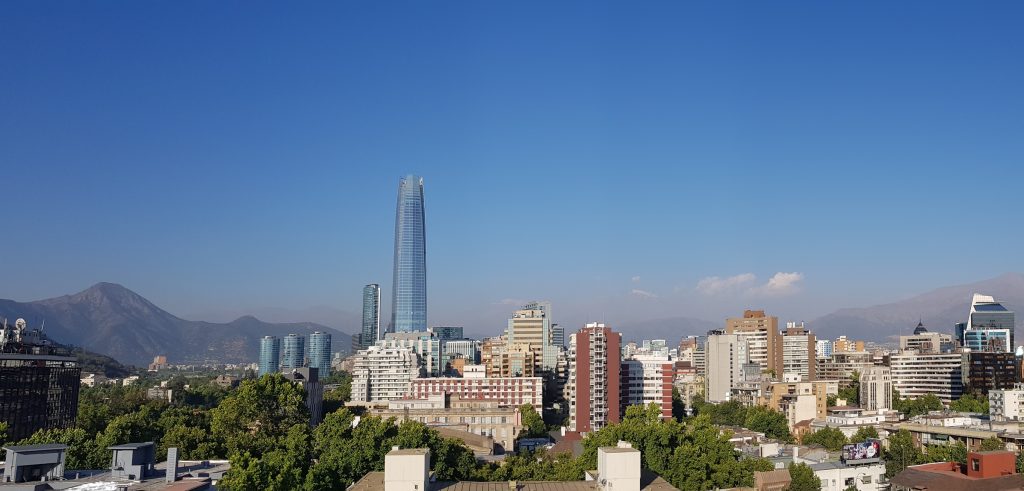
42	447
946	477
131	446
649	481
990	307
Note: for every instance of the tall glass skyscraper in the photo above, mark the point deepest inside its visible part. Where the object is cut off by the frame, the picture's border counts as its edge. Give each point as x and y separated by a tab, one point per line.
270	354
409	289
293	352
320	352
371	315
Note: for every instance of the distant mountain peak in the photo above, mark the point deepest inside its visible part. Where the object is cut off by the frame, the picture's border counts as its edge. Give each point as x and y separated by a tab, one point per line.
111	319
939	309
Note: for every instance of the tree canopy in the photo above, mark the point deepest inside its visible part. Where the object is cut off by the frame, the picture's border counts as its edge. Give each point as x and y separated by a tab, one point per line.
828	437
803	478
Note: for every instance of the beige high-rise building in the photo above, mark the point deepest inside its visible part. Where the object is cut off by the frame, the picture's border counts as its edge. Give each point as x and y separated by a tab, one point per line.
761	335
531	326
726	354
876	389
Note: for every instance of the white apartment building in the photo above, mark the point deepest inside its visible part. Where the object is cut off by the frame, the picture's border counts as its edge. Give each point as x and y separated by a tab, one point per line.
726	354
1006	404
823	348
876	388
916	374
383	374
798	355
507	391
836	476
648	379
426	344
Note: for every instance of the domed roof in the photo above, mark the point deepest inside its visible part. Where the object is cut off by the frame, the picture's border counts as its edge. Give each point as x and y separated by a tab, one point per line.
920	329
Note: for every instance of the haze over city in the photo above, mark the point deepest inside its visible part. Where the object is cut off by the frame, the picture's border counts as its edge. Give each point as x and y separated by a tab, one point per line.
624	164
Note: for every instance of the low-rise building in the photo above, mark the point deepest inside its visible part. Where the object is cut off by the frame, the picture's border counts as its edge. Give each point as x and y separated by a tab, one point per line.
850	419
985	471
1006	404
480	417
840	476
799	401
618	468
507	391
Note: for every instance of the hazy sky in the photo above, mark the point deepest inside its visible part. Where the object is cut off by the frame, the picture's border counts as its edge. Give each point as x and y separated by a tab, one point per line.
625	161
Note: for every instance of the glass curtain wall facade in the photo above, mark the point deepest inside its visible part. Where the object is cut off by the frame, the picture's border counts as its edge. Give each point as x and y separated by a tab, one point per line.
320	352
371	315
293	352
409	292
270	354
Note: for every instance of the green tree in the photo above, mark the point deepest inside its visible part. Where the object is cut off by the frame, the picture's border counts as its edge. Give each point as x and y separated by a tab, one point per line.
3	433
692	456
828	437
953	452
336	398
969	403
992	443
1020	462
81	448
280	468
852	391
533	423
678	406
803	478
918	406
768	421
864	433
256	417
901	453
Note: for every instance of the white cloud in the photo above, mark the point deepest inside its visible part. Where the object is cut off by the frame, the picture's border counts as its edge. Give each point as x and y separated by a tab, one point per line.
713	284
635	279
781	284
642	293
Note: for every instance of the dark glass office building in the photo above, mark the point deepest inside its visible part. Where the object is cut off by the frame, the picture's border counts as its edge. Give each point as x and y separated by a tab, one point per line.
409	292
38	383
371	316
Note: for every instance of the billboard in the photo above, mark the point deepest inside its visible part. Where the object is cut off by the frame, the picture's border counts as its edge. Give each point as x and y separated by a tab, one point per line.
863	452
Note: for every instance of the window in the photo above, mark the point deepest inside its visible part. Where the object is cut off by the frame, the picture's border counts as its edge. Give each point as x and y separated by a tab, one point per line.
975	464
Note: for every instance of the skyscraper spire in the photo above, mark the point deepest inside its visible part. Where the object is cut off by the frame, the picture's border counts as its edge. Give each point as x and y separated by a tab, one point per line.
409	289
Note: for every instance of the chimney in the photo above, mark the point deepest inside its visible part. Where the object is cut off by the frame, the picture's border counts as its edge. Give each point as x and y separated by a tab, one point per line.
407	470
618	468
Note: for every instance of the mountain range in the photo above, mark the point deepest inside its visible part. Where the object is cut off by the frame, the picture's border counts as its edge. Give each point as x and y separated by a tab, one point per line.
110	319
938	309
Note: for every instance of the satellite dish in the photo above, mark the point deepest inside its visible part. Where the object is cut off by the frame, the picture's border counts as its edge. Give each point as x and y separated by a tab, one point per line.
1020	351
19	324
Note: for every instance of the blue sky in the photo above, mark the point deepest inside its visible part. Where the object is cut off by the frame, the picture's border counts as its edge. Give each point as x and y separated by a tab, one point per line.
613	158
